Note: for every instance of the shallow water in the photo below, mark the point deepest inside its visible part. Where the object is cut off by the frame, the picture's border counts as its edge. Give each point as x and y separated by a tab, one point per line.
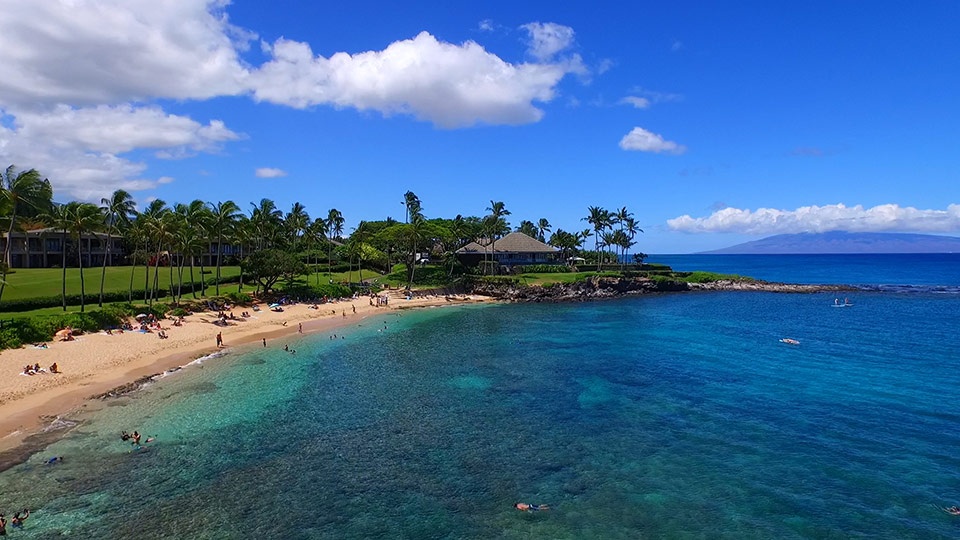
677	416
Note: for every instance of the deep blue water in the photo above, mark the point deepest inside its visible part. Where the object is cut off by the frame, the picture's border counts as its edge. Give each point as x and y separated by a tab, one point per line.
667	416
922	269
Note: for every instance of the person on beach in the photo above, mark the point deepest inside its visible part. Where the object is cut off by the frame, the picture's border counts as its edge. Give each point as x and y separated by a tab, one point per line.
219	339
264	343
524	507
54	368
300	327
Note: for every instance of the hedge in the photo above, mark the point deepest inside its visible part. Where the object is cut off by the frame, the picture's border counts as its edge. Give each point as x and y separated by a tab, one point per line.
14	333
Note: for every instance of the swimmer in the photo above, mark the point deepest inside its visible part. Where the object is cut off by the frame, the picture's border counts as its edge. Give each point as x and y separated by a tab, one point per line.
524	507
55	459
18	519
136	438
3	525
124	436
952	510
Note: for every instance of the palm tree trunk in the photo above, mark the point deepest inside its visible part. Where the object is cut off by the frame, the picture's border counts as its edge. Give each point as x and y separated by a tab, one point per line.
103	271
133	270
7	249
193	284
80	264
146	273
219	250
63	261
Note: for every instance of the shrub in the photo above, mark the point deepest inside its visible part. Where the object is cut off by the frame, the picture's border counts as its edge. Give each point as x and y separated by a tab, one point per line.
545	269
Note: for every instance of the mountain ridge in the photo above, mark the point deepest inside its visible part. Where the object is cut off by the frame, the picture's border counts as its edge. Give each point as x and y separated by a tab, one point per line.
844	242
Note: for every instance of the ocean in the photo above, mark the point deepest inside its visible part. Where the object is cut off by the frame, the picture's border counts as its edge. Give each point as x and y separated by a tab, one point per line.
662	416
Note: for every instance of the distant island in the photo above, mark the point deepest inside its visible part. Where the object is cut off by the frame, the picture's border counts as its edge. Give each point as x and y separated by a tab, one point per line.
845	242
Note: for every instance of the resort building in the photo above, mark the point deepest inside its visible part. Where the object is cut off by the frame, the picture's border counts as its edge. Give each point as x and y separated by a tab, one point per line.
514	249
44	248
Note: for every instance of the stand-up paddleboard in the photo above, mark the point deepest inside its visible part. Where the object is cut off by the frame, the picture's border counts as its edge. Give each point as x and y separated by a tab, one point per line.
789	341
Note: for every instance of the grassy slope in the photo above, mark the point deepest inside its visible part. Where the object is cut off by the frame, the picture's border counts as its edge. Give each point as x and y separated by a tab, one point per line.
39	282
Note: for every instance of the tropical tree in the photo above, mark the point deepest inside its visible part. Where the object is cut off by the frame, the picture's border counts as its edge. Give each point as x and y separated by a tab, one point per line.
494	218
543	227
117	210
196	220
296	223
631	229
266	218
58	217
147	225
528	228
600	219
19	192
412	204
334	223
316	233
225	214
83	218
566	242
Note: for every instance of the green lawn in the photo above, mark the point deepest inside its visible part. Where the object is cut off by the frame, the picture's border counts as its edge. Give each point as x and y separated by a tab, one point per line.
46	282
27	283
547	278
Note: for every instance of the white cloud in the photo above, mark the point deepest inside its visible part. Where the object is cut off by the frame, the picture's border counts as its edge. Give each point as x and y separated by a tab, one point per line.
546	40
120	129
645	141
85	52
486	25
165	180
449	85
80	150
836	217
270	172
637	102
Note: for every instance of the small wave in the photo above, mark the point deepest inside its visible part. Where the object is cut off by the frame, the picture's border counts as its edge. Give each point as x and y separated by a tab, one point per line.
58	424
202	359
896	288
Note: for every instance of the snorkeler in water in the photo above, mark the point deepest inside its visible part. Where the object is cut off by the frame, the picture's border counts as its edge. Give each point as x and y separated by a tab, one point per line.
524	507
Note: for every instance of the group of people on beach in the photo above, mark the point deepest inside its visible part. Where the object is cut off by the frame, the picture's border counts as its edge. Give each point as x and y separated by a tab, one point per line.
36	369
16	521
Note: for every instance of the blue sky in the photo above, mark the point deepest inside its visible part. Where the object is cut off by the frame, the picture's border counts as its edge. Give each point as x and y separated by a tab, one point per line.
713	122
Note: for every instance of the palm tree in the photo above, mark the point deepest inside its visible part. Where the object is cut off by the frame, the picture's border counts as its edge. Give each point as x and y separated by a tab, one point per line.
296	223
224	215
135	237
317	232
147	226
334	224
497	211
117	209
18	192
631	229
266	218
197	216
58	217
601	220
83	218
543	227
528	228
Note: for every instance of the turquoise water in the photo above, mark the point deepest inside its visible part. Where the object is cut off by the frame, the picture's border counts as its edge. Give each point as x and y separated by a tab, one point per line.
675	416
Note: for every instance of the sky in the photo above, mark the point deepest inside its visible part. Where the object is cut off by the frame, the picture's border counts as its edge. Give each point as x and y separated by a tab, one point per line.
714	123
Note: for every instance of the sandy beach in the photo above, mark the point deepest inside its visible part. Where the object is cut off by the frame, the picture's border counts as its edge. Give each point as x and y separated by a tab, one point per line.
94	364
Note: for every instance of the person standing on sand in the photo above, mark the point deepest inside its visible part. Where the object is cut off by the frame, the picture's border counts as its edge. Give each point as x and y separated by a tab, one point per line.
264	343
219	339
300	327
354	308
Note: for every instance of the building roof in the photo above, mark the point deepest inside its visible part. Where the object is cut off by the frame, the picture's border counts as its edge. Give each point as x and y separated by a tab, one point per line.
515	242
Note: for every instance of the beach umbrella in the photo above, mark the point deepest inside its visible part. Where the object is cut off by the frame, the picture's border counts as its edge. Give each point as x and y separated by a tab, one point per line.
141	316
274	305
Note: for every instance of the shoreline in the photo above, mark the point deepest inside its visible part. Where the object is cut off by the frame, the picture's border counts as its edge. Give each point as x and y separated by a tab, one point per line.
35	410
